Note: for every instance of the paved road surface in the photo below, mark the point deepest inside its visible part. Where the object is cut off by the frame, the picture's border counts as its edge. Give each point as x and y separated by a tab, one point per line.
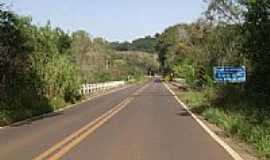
136	123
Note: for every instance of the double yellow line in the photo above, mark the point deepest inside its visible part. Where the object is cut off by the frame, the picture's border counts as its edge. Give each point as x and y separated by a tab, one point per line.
61	148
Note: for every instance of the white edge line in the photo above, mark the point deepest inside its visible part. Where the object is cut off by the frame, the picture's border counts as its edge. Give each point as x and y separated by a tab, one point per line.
66	107
223	144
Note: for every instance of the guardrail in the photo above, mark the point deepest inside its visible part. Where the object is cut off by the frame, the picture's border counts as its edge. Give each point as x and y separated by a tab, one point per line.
91	88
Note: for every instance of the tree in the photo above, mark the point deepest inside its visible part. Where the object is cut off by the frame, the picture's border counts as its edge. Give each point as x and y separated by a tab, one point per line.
257	44
146	44
226	11
14	56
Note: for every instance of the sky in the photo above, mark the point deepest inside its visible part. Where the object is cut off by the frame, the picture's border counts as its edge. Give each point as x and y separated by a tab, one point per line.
114	20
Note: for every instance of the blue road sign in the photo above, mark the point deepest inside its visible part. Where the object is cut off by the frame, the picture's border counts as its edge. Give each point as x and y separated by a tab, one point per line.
230	74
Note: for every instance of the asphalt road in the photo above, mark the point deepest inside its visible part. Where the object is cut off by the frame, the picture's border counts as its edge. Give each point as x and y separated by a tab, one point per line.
141	122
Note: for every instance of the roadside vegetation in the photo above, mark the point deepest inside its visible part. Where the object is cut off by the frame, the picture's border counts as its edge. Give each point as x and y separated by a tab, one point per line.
42	67
146	44
232	33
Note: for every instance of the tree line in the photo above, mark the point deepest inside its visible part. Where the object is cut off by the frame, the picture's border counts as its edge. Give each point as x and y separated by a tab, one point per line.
146	44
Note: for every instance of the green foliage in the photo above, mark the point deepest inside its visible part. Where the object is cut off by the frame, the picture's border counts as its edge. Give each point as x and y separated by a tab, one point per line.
166	48
35	68
146	44
186	71
235	115
124	46
257	46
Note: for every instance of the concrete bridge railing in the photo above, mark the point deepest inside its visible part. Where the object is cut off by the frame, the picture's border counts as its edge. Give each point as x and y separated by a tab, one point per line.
91	88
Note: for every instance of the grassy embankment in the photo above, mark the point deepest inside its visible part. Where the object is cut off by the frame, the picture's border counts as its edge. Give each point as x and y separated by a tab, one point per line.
236	113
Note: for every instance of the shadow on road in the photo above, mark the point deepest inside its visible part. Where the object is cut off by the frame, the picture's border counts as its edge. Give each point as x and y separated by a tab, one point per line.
37	118
183	112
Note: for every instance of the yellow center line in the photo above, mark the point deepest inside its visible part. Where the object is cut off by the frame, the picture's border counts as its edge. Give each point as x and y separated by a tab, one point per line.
72	136
71	145
75	138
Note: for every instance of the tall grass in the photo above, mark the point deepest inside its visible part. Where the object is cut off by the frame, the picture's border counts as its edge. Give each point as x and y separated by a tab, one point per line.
236	115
